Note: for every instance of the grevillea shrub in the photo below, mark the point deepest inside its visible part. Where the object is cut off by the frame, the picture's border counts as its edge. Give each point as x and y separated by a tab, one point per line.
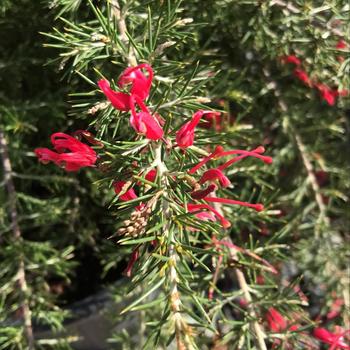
200	219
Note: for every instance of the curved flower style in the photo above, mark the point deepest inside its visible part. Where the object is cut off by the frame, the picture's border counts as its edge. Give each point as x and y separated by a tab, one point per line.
257	207
213	175
80	155
185	135
335	340
204	215
144	123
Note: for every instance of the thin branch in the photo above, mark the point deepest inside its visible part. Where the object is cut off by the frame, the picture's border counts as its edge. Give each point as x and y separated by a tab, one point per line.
21	275
120	18
182	330
255	325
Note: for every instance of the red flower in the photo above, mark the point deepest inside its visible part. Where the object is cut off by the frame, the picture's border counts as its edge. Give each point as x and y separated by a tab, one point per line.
80	155
256	153
218	150
341	44
134	256
257	207
119	100
335	340
126	195
140	86
202	215
276	322
144	123
200	194
302	76
211	120
151	175
215	174
327	93
291	59
140	83
185	135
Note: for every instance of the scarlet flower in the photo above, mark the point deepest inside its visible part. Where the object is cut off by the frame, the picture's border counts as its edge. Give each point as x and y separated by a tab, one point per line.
215	174
257	207
218	150
211	120
202	215
119	186
140	86
328	94
185	135
134	256
80	155
302	76
341	44
151	175
140	83
200	194
119	100
143	122
291	59
276	322
335	340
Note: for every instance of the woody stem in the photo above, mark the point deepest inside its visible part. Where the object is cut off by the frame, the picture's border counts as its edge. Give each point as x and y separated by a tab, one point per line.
182	336
21	274
120	18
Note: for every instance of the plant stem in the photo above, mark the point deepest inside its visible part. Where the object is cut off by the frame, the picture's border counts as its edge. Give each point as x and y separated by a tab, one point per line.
182	330
21	275
120	18
255	326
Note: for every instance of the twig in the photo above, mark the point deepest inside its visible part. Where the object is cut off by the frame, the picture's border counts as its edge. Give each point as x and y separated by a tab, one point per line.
182	330
119	16
323	218
21	275
255	326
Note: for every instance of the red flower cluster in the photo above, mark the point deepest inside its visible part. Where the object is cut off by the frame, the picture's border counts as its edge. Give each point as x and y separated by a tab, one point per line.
215	177
80	155
141	118
328	94
336	340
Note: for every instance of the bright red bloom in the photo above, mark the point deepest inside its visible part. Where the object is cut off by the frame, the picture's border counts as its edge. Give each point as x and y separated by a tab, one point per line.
202	215
80	155
213	175
119	100
151	175
140	83
128	195
302	76
185	135
211	120
341	44
335	340
134	256
256	153
218	150
144	123
276	322
257	207
140	86
200	194
328	94
291	59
